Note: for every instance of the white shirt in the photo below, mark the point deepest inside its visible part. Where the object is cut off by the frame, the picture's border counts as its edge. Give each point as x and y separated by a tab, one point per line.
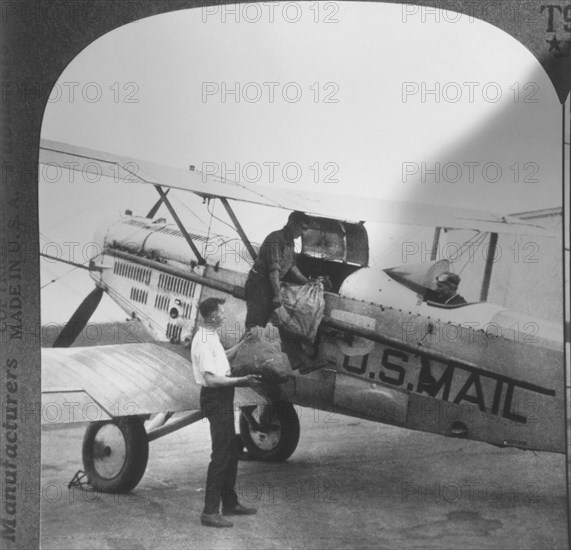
208	355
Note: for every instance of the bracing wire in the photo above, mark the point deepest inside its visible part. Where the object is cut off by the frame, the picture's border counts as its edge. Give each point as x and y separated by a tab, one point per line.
183	205
60	276
211	212
477	242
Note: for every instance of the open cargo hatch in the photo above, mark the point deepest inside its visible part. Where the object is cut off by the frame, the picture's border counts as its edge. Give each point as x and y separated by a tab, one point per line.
334	248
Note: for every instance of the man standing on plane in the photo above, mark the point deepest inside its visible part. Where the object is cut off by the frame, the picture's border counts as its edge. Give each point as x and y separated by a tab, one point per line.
211	370
275	261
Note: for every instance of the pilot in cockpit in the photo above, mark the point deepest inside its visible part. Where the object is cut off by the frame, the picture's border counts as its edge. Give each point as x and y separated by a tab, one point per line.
447	290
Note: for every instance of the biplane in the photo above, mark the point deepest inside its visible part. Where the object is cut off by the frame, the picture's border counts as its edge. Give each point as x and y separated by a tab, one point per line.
386	358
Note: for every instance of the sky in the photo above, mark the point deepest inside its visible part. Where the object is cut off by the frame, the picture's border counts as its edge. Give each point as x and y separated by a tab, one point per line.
340	97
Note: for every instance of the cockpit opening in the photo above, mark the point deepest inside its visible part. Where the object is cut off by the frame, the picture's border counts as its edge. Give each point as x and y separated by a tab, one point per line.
434	283
333	248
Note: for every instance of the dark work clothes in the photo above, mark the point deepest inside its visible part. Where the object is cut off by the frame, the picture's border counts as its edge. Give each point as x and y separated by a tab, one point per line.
432	296
259	296
217	405
455	300
276	253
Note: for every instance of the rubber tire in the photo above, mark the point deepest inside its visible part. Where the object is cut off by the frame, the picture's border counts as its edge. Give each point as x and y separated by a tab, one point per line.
287	417
136	456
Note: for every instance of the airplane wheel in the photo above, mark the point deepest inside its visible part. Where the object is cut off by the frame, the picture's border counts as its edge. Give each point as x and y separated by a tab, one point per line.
115	454
278	433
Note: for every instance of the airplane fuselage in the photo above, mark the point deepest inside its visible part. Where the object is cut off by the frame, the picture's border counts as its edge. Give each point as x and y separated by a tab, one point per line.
477	371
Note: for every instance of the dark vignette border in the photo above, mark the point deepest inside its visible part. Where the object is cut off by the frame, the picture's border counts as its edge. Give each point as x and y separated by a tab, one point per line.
35	50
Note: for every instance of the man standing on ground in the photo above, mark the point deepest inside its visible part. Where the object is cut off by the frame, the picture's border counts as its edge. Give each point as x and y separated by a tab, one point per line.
211	370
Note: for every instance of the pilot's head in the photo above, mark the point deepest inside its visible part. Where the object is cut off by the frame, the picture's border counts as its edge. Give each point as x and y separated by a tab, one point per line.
298	223
447	284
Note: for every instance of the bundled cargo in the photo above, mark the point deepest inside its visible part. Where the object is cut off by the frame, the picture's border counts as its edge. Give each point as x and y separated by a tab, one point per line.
302	310
259	354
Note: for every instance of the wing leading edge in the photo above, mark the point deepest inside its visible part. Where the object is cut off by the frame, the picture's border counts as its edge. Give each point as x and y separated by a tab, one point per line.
343	207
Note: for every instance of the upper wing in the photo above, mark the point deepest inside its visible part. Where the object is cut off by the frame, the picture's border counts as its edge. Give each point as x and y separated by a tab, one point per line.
101	382
343	207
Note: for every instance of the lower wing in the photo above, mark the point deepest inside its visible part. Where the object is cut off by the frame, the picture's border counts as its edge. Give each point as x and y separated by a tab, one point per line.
102	382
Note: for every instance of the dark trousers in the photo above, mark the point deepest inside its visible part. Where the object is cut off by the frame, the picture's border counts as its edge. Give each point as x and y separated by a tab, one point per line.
259	296
218	406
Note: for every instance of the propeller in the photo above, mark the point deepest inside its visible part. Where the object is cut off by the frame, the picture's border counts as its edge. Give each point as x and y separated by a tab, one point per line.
79	319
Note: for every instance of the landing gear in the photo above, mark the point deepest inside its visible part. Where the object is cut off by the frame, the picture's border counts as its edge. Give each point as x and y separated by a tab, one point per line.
115	454
270	432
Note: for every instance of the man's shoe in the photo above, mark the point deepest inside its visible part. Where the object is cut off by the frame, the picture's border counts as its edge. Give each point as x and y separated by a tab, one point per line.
215	520
239	510
310	366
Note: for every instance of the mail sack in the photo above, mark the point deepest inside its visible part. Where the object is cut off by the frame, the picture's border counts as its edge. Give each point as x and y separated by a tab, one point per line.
302	310
259	354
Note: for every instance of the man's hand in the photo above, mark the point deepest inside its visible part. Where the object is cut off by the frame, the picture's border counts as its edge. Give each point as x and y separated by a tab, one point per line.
253	334
251	380
325	281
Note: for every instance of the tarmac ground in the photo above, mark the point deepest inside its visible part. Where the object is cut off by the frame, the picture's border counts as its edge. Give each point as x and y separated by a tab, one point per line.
350	483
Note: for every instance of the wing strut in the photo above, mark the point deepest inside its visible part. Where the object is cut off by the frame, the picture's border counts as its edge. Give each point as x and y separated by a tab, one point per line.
153	211
184	232
435	242
239	228
491	257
